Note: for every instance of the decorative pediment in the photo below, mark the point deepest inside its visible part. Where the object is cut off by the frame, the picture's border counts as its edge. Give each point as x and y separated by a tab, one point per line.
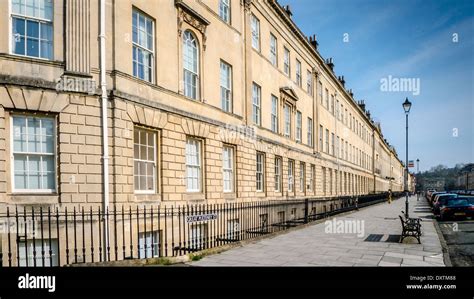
289	95
192	17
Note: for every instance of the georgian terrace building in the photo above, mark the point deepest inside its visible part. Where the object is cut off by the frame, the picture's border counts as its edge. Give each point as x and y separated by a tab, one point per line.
207	101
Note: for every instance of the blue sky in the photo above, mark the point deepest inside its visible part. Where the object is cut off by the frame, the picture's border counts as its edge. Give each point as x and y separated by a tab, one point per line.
404	39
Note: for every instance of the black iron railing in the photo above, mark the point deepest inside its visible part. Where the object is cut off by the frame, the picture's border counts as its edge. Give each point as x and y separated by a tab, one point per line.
45	237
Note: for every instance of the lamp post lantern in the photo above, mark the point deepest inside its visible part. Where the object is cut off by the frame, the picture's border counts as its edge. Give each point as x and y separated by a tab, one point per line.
406	106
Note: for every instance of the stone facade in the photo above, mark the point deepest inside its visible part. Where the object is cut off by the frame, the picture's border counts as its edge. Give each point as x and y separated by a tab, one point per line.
28	86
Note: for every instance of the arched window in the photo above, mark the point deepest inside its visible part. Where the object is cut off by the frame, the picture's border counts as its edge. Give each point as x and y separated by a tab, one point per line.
190	65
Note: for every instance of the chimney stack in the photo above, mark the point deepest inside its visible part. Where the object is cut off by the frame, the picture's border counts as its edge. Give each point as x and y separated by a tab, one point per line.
330	63
288	10
313	41
362	105
341	79
351	93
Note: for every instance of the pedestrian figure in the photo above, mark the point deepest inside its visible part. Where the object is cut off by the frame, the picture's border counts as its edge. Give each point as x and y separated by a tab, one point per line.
389	196
357	203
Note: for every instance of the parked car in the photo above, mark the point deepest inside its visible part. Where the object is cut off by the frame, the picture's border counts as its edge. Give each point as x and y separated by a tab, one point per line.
431	197
440	200
429	192
460	207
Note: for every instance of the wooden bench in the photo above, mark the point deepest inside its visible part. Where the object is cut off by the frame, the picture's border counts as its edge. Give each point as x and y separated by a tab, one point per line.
411	227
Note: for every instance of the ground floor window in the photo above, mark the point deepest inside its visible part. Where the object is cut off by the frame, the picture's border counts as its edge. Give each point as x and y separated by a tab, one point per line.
263	221
233	229
260	178
198	236
193	165
144	158
149	244
324	180
291	171
33	153
302	176
31	253
293	213
278	174
228	168
281	216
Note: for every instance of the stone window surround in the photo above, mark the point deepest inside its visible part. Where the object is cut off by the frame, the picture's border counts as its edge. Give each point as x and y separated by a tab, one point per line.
54	153
263	191
230	87
157	189
278	191
27	17
189	19
19	197
288	97
228	4
291	166
232	194
137	45
302	178
257	36
202	167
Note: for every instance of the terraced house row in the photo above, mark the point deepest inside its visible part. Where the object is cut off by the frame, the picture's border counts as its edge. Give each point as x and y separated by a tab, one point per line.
207	101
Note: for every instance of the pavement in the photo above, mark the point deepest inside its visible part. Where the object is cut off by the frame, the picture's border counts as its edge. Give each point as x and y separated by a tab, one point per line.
316	245
459	236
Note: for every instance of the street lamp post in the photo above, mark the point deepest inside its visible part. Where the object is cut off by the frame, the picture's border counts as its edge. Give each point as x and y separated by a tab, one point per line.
417	189
406	106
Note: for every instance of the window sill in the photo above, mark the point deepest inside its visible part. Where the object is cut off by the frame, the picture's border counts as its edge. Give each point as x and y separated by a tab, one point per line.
34	198
32	59
140	197
229	195
143	80
195	196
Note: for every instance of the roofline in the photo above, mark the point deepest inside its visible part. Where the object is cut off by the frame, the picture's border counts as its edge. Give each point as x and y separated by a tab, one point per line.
299	34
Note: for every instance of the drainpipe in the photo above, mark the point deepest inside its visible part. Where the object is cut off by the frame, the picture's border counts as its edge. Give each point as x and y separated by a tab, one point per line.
105	137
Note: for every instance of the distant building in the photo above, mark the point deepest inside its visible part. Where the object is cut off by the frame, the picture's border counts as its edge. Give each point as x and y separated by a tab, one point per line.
434	183
465	178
